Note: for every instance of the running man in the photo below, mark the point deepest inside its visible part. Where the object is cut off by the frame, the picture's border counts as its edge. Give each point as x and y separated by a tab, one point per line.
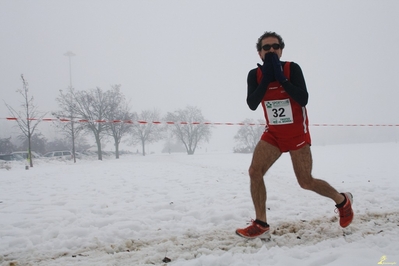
281	90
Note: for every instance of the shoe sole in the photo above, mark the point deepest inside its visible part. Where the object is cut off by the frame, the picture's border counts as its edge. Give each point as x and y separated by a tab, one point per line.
349	196
265	236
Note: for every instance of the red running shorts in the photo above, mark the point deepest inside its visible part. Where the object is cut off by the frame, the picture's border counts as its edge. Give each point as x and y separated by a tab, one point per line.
287	144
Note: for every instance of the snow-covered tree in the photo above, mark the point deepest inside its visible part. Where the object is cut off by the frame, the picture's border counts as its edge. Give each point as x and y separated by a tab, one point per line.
189	128
248	135
147	131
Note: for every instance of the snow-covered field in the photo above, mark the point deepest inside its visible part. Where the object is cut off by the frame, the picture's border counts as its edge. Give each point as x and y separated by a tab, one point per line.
139	210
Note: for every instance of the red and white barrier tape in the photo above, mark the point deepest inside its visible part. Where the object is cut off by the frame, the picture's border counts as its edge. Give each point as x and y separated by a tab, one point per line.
355	125
192	123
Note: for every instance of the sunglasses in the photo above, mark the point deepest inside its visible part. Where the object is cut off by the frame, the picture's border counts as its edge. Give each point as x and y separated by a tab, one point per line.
275	46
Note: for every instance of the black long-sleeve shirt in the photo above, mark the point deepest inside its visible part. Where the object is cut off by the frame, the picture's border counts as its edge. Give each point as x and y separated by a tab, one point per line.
295	87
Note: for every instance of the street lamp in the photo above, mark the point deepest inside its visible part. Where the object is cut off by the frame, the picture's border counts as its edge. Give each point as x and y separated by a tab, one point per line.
70	54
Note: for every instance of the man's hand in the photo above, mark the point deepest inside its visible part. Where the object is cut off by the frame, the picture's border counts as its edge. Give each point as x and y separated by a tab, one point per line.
267	68
278	69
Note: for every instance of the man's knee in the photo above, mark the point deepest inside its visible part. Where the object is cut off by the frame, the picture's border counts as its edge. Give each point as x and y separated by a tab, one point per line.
305	182
263	158
255	173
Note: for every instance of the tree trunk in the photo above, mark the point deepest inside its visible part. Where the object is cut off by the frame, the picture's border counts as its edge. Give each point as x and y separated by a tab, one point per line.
143	145
116	149
73	140
190	151
100	154
29	150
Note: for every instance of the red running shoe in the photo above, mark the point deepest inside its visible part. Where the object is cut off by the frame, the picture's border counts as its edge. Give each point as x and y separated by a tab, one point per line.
254	231
345	211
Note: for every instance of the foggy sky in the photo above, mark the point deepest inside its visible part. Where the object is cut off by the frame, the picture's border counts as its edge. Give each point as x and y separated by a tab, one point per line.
170	54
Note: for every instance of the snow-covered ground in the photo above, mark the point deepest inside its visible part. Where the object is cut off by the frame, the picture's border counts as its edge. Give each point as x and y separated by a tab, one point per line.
138	210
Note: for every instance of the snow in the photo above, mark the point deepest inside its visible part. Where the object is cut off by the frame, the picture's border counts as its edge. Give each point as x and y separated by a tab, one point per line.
138	210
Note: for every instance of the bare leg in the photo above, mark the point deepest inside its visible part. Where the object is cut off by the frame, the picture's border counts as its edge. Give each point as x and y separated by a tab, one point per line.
302	163
263	158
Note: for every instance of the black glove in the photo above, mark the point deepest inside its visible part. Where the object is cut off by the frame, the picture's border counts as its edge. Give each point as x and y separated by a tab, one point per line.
267	68
278	69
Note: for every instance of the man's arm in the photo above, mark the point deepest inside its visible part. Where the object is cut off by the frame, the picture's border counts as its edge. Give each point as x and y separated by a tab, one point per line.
296	86
255	91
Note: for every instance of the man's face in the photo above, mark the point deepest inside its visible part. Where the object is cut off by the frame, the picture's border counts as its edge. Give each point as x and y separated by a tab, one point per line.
267	43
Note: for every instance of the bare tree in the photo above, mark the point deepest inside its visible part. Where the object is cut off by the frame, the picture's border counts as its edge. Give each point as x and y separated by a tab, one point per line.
66	114
189	127
28	118
147	131
91	107
119	114
248	135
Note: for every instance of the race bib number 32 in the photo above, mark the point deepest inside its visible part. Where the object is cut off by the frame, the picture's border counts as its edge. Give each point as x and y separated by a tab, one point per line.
279	112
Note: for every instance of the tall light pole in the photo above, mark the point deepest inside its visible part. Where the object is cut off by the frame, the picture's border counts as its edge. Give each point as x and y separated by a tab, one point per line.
70	54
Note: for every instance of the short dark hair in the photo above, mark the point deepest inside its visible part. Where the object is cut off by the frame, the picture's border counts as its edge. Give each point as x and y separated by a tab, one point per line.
269	34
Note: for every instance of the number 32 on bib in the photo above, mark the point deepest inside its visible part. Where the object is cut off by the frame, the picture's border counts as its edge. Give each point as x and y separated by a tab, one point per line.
279	112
